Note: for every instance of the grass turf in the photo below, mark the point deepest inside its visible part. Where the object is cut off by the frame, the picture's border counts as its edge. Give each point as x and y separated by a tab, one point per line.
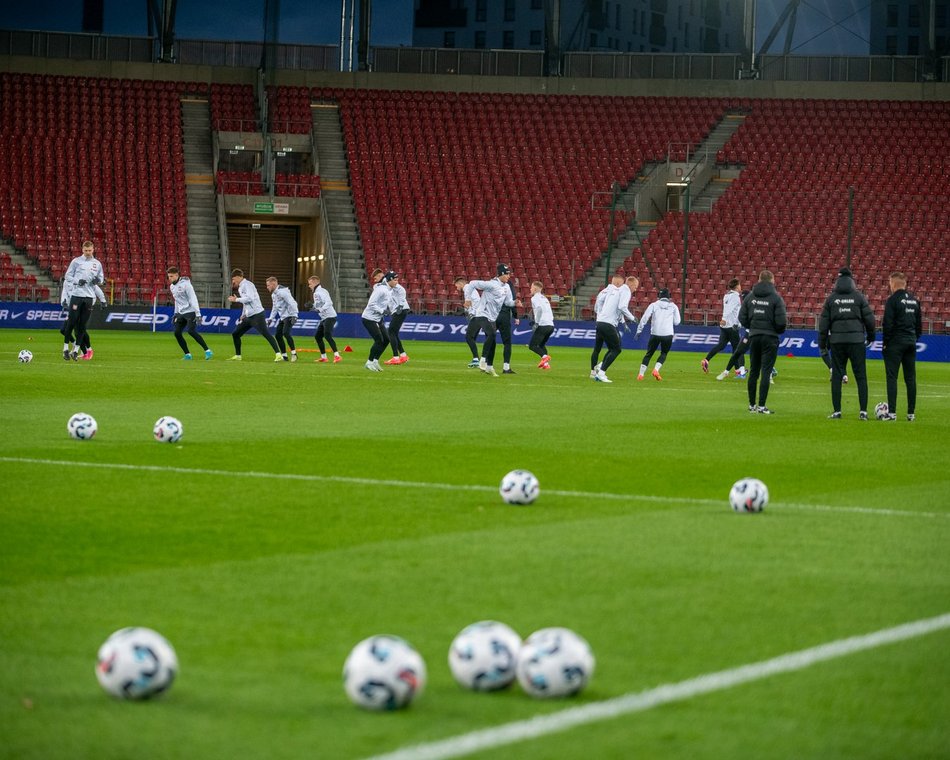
264	582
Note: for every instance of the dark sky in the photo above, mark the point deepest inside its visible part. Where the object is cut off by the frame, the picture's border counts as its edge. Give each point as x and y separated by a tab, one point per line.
318	21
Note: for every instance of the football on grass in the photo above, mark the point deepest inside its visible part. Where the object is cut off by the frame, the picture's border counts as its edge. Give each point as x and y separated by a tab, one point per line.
82	426
136	663
881	410
749	495
483	656
168	430
554	662
25	356
383	673
519	487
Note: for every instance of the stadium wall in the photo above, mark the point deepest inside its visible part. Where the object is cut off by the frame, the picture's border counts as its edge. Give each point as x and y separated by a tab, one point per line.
924	91
934	348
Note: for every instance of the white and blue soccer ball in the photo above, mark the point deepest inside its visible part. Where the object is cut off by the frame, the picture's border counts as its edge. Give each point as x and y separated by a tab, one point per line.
882	410
25	357
484	655
519	487
82	426
555	662
383	673
136	663
168	430
749	495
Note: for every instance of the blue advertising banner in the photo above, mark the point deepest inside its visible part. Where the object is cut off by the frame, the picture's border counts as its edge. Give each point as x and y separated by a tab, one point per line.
934	348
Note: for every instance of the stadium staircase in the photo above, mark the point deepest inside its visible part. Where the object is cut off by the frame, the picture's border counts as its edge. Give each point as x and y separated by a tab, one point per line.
207	262
629	253
21	279
342	231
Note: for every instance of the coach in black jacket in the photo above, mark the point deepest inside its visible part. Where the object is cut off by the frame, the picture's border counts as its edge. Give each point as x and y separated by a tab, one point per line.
846	326
763	315
902	330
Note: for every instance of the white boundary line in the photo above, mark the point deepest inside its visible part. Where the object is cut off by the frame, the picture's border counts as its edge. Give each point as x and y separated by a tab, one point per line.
649	498
562	720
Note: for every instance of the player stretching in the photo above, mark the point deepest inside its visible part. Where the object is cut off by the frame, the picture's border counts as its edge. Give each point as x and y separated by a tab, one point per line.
187	312
252	315
662	315
543	324
284	313
323	305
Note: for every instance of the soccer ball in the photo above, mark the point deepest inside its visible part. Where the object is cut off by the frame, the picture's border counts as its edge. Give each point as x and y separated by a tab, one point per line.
881	410
82	426
136	663
25	356
168	430
383	673
749	495
519	487
554	662
483	656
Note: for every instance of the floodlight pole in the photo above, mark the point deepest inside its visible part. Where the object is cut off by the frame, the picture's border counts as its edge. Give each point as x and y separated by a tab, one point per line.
685	243
850	224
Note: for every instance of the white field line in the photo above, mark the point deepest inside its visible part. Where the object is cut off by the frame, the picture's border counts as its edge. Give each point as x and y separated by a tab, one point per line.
563	720
649	498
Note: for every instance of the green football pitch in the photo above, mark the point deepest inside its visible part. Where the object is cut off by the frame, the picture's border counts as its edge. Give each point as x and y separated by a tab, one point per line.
309	506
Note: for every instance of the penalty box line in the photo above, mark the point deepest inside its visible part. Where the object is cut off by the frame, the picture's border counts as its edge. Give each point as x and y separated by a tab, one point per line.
648	498
563	720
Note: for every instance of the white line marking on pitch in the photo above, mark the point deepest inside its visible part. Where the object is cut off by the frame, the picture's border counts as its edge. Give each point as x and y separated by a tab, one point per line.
544	725
447	486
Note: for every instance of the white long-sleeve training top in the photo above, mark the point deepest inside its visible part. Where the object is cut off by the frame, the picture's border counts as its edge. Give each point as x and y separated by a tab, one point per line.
495	294
249	298
399	298
471	294
615	305
543	316
380	303
283	303
661	315
731	303
322	303
186	302
87	270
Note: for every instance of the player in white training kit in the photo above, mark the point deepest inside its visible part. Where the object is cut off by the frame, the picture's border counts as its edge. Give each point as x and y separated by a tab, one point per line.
495	294
252	315
380	304
82	276
613	309
728	327
662	315
471	298
543	324
323	305
283	314
187	312
400	312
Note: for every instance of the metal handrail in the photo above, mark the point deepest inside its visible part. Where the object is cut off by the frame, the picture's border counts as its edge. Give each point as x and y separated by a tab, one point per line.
332	260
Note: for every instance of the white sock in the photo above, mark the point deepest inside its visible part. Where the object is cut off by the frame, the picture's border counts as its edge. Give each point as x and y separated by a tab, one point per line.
506	366
294	352
65	346
643	369
335	353
323	356
657	367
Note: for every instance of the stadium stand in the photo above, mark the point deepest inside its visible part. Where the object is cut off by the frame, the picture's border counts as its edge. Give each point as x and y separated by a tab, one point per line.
448	183
233	108
94	158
